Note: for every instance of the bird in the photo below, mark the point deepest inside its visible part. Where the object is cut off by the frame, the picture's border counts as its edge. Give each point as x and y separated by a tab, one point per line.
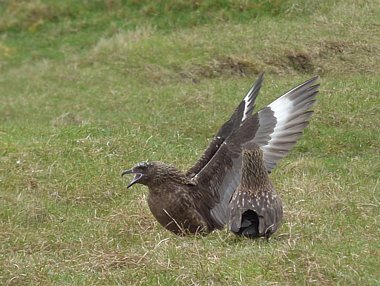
255	209
198	201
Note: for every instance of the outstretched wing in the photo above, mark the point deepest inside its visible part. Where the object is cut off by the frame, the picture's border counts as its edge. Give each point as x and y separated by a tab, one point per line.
274	128
291	112
219	178
240	114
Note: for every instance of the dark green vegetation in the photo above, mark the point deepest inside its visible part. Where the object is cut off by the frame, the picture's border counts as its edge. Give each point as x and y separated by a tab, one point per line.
88	88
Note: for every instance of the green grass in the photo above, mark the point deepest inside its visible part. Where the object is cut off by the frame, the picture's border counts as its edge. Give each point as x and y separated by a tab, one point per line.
89	88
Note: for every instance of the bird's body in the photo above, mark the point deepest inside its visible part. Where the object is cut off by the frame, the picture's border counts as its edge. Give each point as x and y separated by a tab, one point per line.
175	203
175	200
255	207
198	201
176	210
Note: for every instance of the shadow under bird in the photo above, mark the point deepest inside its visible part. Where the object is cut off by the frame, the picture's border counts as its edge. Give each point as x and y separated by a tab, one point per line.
200	200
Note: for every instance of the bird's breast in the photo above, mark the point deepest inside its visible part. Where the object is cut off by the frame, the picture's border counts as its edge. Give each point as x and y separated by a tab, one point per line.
175	210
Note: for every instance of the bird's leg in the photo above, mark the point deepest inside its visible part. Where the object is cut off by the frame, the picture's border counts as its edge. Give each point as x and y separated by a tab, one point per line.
268	232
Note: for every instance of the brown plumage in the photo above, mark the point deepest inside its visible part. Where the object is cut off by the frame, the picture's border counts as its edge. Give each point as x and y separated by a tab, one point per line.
174	199
255	207
198	201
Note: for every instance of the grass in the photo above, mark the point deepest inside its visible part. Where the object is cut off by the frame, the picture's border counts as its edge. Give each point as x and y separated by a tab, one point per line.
89	88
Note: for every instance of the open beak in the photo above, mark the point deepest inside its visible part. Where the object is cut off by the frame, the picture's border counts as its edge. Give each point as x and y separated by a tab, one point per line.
135	179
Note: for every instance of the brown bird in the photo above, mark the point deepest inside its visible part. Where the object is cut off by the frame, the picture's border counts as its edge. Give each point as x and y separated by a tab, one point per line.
255	207
198	201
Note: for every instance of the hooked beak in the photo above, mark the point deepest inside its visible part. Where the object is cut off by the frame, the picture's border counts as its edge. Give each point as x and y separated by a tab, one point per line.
135	179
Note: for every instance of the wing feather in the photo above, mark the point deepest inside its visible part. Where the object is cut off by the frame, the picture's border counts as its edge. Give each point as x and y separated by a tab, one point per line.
291	112
222	174
241	113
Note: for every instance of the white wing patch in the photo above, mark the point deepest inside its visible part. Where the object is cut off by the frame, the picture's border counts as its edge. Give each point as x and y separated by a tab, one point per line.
282	108
248	99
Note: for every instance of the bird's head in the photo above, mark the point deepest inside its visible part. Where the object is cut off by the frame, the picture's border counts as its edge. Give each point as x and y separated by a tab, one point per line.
144	172
154	174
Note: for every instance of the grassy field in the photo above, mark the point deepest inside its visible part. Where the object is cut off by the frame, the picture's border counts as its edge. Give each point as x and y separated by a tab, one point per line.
88	88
